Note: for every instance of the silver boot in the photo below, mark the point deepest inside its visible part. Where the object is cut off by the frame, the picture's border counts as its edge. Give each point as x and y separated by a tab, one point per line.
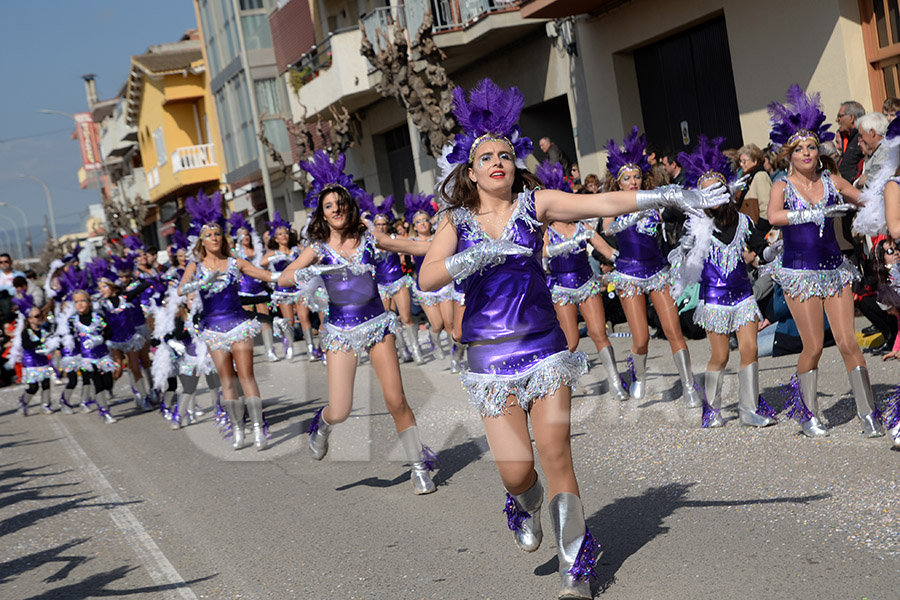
865	402
457	356
712	406
235	410
812	423
692	397
64	405
289	343
523	516
45	402
422	460
312	352
319	430
403	353
190	409
639	377
616	387
254	407
436	342
411	334
754	412
102	400
575	546
268	344
24	399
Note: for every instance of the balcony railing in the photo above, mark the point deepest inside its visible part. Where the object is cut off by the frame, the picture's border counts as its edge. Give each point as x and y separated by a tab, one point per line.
193	157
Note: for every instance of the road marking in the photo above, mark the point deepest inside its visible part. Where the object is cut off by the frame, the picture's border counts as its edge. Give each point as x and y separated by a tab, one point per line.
154	561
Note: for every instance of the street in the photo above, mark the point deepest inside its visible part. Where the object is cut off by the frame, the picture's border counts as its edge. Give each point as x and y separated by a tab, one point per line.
137	510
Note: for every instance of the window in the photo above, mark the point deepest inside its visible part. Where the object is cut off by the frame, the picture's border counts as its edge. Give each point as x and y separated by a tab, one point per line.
160	145
276	133
257	34
268	100
252	4
881	37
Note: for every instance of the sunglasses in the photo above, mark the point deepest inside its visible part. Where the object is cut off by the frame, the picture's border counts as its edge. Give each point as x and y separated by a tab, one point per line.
890	251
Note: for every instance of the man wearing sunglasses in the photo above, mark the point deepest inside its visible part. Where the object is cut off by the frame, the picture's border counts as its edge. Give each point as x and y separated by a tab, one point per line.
7	274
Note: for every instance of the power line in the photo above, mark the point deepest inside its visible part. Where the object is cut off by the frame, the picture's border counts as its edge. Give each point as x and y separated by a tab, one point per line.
34	135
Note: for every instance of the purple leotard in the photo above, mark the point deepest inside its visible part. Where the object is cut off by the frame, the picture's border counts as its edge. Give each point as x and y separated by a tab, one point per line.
125	336
356	316
641	266
423	298
278	262
35	365
389	274
571	281
95	358
224	319
516	346
250	286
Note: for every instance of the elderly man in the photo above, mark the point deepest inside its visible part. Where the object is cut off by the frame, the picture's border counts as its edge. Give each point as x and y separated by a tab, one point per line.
848	139
554	154
872	128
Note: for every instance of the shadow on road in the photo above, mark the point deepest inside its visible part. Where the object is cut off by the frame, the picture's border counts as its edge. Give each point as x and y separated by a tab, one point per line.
9	570
628	524
97	585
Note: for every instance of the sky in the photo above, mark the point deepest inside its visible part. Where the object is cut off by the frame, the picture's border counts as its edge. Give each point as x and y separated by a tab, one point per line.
46	47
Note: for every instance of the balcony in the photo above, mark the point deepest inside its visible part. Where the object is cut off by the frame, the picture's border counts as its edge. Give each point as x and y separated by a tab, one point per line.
193	157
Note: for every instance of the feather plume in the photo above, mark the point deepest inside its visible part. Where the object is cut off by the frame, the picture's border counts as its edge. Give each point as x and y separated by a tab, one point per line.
870	219
630	153
99	269
238	221
180	241
258	251
204	210
73	255
366	205
418	202
123	264
133	243
705	159
15	352
24	303
63	331
446	167
277	222
326	173
552	176
386	208
71	280
800	112
55	266
693	251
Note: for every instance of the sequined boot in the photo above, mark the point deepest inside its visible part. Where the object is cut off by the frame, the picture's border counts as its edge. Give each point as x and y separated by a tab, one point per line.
268	344
254	408
319	430
712	403
436	342
190	409
809	391
411	334
616	387
575	546
24	399
523	516
639	380
312	351
103	407
865	402
64	405
235	410
457	356
289	343
422	460
45	402
403	352
692	397
753	413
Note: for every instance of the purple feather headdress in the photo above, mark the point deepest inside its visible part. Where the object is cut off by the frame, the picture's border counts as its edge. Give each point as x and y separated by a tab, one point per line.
629	157
706	161
73	255
801	117
277	222
385	209
327	174
180	241
133	243
70	280
123	264
366	204
418	202
490	114
24	303
552	176
237	221
205	211
100	271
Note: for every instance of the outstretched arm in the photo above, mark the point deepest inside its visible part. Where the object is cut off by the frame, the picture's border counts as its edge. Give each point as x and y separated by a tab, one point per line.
400	244
248	268
555	205
306	258
188	276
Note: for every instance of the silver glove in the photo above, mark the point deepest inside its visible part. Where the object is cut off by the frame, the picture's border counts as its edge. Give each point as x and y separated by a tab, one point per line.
302	276
92	341
623	223
806	215
176	346
192	286
837	210
771	252
738	184
479	256
685	199
570	245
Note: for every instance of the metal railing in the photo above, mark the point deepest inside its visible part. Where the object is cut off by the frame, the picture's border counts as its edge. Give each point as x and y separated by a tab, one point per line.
193	157
383	19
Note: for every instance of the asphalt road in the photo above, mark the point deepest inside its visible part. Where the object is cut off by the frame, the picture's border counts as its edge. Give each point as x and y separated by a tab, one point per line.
136	510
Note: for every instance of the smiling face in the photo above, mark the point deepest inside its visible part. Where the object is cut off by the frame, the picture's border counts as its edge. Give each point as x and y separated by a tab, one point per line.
382	224
334	211
181	257
106	290
805	156
630	180
422	224
212	239
282	236
493	168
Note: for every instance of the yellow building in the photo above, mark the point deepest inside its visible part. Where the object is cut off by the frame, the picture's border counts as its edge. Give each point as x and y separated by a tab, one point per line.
169	102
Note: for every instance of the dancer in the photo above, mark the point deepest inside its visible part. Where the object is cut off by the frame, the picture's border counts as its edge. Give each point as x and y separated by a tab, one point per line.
91	331
520	367
712	252
31	346
342	252
394	284
641	269
124	269
573	285
812	271
254	293
225	327
178	256
438	305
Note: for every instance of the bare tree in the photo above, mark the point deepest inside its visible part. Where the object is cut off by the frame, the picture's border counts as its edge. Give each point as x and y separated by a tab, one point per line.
124	216
414	75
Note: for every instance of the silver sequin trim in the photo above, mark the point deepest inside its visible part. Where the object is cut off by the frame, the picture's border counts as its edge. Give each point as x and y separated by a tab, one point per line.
723	319
215	340
628	286
362	337
564	295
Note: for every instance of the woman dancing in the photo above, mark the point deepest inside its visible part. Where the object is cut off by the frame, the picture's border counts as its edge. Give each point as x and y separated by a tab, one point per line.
712	253
641	269
91	331
343	253
225	327
573	285
520	367
31	345
254	293
812	271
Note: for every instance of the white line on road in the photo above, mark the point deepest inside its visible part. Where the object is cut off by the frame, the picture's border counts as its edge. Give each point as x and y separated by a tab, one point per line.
154	561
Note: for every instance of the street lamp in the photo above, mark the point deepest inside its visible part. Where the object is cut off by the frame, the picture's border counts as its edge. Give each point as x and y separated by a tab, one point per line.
9	247
15	229
49	201
25	222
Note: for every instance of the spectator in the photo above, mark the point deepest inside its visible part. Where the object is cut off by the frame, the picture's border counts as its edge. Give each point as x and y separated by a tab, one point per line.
890	108
7	274
851	154
872	128
674	172
574	177
830	156
554	154
754	198
652	154
25	286
592	183
775	164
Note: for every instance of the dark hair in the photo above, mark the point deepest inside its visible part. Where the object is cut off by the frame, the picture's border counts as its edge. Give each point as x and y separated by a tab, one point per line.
19	281
293	239
725	215
465	194
319	230
30	274
891	104
154	251
672	157
6	255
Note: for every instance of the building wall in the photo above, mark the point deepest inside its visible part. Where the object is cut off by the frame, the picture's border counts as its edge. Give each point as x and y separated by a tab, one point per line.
815	43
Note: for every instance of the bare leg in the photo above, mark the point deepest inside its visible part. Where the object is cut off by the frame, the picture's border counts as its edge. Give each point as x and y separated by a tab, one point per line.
567	315
668	318
550	423
595	319
635	309
387	369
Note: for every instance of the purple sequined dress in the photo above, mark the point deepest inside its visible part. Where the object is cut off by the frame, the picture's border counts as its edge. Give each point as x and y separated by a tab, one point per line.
136	313
224	320
35	365
278	262
250	286
196	359
571	281
423	298
812	263
389	274
356	316
515	344
641	266
96	357
125	336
